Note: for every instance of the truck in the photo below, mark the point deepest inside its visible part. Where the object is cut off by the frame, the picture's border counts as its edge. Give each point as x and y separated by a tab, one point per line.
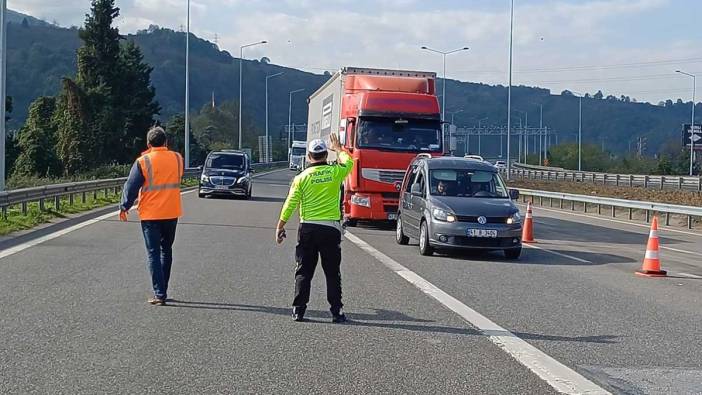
384	118
296	155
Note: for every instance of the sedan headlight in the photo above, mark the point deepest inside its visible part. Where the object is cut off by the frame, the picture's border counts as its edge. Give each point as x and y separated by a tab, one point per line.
243	180
361	200
514	219
204	178
443	215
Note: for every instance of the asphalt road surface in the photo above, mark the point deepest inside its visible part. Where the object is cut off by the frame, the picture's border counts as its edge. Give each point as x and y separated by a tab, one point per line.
569	316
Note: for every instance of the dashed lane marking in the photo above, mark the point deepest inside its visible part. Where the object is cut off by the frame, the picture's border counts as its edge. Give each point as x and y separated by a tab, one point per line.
556	374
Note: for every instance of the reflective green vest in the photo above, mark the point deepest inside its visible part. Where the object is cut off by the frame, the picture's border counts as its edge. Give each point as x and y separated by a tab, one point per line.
316	191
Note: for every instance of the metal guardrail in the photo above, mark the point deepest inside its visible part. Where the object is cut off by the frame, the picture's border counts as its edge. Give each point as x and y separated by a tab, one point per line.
56	192
685	183
649	208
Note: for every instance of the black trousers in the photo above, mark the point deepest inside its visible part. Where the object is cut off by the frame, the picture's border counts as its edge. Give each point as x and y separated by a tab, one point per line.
314	241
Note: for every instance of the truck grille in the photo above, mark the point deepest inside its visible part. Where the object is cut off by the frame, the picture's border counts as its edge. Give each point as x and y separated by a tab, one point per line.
387	176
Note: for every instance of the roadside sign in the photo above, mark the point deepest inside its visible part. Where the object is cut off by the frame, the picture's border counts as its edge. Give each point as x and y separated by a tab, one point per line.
694	136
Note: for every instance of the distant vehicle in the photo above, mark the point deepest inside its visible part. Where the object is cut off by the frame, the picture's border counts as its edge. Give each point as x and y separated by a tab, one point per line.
474	157
226	173
384	119
458	203
500	164
297	155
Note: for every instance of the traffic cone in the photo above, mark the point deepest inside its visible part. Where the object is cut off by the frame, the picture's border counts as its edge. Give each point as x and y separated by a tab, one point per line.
528	230
652	262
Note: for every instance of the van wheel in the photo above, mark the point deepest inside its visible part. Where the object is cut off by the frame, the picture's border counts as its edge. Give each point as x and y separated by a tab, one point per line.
424	247
513	253
400	237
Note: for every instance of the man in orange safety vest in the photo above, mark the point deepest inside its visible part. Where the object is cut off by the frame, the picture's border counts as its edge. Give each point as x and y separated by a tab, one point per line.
155	179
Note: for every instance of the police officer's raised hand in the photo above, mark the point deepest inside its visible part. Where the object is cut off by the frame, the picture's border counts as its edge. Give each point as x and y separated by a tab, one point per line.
123	215
335	143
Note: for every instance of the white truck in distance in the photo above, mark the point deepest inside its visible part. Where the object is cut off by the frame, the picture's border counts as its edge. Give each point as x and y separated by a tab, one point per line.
297	154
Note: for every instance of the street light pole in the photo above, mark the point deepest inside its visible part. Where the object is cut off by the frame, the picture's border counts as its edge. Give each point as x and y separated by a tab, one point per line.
509	94
187	89
3	88
580	134
290	116
268	149
443	98
692	123
241	74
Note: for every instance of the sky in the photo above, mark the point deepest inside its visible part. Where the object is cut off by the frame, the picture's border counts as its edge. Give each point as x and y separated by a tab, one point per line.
623	47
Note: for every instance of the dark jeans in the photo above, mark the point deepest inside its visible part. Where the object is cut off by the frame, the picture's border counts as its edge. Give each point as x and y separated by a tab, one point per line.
314	241
159	236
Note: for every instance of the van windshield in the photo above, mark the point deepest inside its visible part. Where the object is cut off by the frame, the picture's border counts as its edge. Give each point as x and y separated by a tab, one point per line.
466	183
408	135
299	151
226	161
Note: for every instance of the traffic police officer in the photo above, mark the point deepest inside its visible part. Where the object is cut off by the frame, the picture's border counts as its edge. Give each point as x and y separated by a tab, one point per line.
316	192
155	179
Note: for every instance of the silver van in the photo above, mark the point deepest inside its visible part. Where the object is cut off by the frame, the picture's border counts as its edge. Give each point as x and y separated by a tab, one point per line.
456	203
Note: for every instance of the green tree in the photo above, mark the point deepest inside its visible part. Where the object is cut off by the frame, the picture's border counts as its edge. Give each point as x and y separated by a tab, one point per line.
75	142
176	140
36	141
135	102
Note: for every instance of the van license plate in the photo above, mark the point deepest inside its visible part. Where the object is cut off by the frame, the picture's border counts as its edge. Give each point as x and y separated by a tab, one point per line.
481	233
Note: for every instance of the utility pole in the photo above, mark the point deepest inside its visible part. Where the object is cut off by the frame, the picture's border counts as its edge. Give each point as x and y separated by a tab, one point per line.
187	90
241	75
3	88
266	158
509	93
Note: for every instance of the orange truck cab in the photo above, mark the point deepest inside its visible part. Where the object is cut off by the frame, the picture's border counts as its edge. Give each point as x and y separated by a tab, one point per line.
385	118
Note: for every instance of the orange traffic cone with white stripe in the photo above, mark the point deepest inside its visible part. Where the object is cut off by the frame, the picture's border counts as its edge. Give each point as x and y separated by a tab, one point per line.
652	262
528	229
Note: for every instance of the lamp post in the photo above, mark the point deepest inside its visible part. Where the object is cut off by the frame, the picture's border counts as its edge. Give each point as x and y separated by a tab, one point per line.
523	138
692	123
187	89
3	88
267	156
509	93
443	54
542	139
241	74
580	130
290	115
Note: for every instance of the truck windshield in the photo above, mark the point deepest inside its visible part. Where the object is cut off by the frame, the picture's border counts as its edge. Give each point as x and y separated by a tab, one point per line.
298	151
413	135
226	161
466	183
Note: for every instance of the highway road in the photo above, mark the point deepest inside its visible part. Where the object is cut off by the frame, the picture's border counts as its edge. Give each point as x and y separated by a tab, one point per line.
570	316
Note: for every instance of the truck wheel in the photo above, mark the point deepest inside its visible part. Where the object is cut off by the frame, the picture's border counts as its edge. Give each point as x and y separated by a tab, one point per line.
424	247
400	237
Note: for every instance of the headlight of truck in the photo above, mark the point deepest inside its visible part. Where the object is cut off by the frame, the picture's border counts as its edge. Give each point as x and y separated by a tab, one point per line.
361	200
514	219
443	215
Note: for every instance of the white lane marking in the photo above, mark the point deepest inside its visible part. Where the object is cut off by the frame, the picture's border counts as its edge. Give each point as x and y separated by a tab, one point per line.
32	243
667	229
689	275
557	375
680	251
575	258
51	236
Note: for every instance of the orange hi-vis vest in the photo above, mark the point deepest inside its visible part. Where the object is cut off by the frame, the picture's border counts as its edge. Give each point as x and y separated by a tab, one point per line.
159	197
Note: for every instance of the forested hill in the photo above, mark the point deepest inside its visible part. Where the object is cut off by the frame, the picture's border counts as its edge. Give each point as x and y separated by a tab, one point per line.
39	54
